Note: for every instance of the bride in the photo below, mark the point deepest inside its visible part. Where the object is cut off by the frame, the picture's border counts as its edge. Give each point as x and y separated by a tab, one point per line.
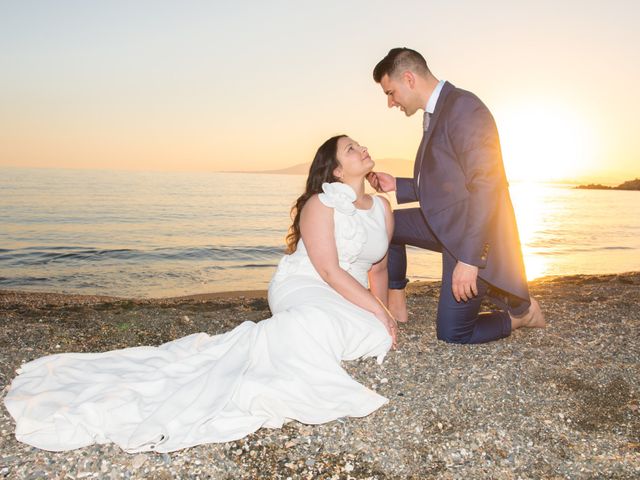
202	388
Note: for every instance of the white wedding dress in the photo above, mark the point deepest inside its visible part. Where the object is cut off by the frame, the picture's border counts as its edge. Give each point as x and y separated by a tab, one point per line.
201	388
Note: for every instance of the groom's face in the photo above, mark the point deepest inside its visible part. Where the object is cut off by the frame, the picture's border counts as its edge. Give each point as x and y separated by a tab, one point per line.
400	93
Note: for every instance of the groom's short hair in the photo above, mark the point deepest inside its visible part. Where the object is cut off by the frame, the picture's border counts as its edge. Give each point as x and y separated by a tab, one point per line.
399	60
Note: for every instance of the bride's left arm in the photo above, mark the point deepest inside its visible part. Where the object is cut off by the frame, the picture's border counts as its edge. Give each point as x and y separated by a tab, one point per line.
378	276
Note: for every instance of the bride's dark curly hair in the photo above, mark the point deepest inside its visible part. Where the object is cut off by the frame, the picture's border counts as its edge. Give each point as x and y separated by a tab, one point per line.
321	170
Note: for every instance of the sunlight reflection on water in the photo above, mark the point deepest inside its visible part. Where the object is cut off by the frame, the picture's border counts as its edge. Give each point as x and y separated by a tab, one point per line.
564	231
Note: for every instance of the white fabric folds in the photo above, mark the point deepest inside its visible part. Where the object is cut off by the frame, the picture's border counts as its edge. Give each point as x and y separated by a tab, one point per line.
201	388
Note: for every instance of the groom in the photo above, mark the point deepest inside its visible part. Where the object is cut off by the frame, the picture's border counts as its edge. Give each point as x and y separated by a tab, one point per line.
465	209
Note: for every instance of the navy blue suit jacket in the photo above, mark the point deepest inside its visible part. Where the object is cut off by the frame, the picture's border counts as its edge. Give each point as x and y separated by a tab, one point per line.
463	190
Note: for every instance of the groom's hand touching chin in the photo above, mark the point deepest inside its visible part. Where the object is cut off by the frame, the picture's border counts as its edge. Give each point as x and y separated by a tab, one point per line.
382	182
464	281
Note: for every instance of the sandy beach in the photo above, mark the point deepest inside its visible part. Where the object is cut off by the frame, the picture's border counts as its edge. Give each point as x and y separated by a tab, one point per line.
562	402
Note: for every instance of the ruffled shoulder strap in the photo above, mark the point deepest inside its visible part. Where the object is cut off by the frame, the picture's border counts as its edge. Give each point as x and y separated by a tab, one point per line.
338	196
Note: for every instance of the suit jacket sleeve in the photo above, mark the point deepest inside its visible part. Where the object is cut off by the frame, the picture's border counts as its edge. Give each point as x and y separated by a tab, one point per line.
405	190
477	147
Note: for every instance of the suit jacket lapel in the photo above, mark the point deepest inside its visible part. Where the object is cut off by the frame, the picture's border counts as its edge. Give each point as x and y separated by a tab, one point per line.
446	89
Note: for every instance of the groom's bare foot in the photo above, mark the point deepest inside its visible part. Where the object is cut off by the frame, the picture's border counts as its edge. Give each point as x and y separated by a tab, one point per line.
533	318
398	305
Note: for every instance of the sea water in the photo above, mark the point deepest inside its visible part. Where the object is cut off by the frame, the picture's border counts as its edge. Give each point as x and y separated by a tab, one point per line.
158	234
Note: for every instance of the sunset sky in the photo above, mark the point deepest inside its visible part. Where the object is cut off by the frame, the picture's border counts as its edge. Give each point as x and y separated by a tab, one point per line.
255	85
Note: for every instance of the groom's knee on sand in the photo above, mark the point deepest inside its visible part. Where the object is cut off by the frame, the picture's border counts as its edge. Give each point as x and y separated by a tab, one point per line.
453	334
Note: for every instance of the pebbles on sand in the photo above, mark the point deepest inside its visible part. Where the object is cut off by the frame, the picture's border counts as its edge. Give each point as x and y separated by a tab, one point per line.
555	403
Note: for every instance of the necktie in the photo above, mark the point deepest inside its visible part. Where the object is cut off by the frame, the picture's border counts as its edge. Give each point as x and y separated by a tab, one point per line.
425	125
425	121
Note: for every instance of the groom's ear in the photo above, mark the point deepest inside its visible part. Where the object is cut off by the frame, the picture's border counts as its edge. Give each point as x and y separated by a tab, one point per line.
409	78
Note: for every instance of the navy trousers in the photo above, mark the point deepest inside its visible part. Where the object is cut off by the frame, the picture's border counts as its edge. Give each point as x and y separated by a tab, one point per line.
457	322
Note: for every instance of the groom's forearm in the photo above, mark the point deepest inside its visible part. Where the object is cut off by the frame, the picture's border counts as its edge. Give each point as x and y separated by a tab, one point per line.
405	190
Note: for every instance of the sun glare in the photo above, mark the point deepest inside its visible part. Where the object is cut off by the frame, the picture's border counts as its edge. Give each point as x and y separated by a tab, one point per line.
544	144
529	207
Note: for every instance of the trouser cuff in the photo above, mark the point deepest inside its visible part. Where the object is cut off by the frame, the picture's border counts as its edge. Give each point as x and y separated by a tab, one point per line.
398	284
519	308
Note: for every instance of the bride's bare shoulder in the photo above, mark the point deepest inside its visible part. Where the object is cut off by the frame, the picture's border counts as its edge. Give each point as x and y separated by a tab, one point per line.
315	207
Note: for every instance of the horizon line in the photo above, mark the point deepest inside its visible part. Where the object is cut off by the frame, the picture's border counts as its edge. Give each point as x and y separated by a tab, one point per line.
278	171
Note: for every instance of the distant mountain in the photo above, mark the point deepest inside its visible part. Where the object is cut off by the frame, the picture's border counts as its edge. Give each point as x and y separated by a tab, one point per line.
297	169
394	166
628	185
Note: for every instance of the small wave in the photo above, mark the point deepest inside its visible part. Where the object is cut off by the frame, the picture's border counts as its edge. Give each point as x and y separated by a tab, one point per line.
26	280
573	249
33	256
218	253
256	265
40	256
55	248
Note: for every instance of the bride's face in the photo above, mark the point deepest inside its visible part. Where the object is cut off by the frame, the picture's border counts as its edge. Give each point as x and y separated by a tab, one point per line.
353	158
